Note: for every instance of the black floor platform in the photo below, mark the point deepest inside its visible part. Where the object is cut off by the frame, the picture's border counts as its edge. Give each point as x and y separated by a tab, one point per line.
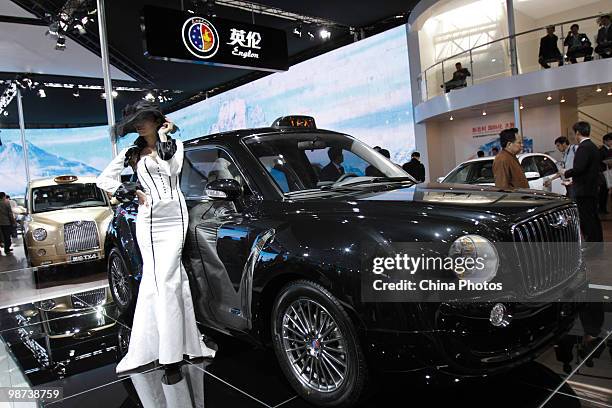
77	345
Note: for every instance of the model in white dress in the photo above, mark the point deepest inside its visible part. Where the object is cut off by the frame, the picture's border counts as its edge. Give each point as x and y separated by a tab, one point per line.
164	327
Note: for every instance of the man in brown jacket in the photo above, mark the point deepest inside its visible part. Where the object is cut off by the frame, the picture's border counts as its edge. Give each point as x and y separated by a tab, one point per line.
7	223
507	170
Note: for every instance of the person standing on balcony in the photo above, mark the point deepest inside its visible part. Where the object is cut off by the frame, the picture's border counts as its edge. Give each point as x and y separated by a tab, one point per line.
604	37
578	45
549	52
507	170
585	177
459	78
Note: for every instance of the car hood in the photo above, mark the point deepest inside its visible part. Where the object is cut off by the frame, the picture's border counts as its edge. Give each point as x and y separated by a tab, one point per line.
61	217
394	198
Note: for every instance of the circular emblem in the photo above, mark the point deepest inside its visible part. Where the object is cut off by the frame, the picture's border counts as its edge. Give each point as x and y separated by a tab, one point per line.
499	316
200	37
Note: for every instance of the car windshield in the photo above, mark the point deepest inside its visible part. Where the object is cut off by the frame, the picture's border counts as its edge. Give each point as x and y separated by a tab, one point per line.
298	162
62	196
477	172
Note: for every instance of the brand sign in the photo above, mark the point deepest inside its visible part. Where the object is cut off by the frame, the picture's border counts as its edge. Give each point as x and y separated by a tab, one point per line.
486	129
173	35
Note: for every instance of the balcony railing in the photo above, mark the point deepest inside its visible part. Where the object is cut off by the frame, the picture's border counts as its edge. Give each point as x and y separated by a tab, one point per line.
493	59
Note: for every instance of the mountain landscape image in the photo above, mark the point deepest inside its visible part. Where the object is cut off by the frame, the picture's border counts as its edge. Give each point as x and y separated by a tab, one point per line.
42	164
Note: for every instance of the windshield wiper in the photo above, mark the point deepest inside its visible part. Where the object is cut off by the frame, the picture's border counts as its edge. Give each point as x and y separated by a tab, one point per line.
383	179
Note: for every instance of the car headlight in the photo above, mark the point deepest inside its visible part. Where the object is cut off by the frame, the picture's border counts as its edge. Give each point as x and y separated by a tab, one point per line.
39	234
475	258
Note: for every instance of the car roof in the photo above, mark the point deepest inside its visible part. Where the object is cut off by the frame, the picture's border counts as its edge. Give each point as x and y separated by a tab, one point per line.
238	134
50	181
519	157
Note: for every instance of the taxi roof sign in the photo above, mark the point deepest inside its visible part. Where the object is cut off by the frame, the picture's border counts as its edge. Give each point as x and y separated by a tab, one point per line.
295	121
65	179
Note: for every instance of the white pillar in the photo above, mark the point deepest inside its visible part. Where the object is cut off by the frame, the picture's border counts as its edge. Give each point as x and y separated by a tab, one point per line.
108	86
26	159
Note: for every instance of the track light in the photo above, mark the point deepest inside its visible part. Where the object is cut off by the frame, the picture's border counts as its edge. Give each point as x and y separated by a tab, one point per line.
598	89
484	113
76	93
311	36
521	107
60	45
549	98
562	100
451	118
42	93
324	34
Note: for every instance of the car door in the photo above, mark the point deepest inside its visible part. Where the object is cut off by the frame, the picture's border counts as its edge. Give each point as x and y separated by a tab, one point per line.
548	169
532	172
223	240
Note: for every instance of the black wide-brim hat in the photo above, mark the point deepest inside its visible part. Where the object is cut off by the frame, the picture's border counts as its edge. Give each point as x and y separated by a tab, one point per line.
132	113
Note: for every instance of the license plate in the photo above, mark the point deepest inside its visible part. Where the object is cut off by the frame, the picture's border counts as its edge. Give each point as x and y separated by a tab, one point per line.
84	257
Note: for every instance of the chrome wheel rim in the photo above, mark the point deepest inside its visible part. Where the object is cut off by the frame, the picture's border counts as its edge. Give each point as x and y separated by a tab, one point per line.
120	284
314	346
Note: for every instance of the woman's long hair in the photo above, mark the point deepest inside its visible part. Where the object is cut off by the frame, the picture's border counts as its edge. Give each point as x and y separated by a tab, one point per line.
132	156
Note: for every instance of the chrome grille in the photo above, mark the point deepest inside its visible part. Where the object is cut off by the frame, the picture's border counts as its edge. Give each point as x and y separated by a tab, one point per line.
90	298
548	248
80	236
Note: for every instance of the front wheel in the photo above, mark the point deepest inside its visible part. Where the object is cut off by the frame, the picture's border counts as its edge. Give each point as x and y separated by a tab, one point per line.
123	288
317	346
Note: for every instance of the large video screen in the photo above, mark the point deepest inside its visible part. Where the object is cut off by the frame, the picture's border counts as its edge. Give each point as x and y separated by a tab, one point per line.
362	89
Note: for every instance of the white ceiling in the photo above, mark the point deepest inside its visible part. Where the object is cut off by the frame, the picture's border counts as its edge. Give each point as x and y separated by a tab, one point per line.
538	9
26	49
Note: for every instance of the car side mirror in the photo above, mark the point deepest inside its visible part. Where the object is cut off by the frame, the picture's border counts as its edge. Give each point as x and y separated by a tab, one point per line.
224	189
532	175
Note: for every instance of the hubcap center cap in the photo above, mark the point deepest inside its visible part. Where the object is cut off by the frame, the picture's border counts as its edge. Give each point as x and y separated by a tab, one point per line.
314	348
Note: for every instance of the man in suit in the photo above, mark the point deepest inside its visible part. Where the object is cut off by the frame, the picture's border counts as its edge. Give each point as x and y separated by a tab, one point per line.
606	157
585	178
549	51
334	169
578	45
604	37
415	168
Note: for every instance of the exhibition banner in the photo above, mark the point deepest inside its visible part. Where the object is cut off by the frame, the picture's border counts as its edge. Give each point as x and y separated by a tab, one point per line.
174	35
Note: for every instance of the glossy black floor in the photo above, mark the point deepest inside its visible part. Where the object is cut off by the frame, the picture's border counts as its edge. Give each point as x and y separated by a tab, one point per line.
77	345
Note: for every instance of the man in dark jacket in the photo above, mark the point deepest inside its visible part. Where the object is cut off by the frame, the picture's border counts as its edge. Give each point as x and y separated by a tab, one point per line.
334	169
549	52
415	168
578	45
7	223
459	79
604	37
606	163
585	177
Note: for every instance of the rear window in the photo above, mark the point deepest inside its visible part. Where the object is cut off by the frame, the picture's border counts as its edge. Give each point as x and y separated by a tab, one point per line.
479	172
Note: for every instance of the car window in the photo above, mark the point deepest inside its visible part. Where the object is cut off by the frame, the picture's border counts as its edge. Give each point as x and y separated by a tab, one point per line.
63	196
202	166
528	164
479	172
546	166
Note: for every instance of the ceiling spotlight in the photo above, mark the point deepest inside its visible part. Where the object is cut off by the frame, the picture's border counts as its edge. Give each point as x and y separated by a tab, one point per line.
297	31
598	89
311	36
562	100
76	93
114	93
521	107
42	93
324	34
493	60
610	92
484	113
149	97
60	45
5	113
451	118
549	98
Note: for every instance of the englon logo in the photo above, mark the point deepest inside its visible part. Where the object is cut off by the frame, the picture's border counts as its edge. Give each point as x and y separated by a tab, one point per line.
200	37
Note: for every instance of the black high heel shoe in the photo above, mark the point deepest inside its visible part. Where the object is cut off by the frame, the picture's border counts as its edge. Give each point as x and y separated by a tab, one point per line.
172	374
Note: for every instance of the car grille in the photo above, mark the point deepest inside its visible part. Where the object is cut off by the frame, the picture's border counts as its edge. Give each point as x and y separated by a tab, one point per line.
90	298
548	249
80	236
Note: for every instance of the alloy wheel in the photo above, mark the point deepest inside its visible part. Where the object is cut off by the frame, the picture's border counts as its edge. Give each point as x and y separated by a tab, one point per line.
121	288
315	346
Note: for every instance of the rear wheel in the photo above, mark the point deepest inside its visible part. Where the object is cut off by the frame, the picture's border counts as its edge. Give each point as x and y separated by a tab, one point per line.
123	288
317	346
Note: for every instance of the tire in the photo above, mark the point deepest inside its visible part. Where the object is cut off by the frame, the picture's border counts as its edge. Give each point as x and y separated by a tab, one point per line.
312	363
123	288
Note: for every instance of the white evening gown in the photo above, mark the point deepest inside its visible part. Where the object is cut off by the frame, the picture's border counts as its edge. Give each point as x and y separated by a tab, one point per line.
164	327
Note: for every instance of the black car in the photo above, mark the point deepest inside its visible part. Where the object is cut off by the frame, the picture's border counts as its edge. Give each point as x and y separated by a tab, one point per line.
279	241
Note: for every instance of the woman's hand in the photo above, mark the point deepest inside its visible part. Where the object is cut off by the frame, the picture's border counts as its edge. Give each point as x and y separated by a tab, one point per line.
166	128
142	198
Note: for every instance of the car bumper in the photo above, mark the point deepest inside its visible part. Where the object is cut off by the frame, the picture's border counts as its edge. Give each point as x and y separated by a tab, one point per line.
50	258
